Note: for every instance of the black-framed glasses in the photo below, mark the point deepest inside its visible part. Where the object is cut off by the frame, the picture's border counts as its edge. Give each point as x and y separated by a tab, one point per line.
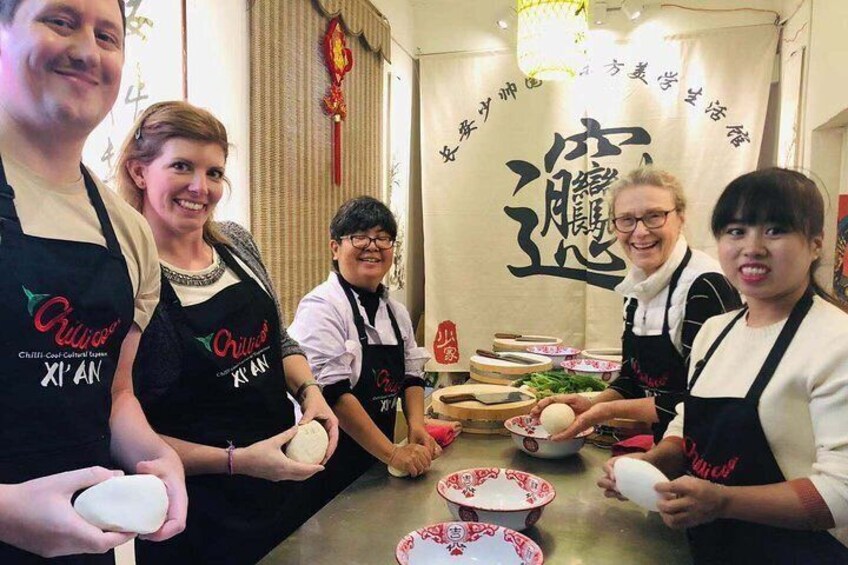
651	220
364	242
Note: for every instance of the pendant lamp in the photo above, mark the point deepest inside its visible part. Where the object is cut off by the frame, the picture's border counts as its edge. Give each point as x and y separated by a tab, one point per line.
552	38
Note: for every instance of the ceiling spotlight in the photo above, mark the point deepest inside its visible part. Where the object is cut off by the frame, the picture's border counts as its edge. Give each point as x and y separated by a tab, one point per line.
632	9
599	13
503	24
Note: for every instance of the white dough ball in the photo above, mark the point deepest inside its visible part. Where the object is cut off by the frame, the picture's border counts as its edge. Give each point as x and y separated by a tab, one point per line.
133	503
556	417
636	479
309	445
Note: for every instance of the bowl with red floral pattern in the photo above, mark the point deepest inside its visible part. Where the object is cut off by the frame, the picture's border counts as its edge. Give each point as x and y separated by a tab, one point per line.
461	543
531	438
606	371
504	497
556	353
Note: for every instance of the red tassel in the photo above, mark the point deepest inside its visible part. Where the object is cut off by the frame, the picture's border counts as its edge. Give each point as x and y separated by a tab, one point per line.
337	151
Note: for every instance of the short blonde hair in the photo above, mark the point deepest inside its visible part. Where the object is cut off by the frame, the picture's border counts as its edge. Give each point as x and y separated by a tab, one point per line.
153	128
651	177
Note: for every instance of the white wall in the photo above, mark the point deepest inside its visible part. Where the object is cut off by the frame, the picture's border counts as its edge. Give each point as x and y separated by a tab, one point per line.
400	16
218	35
827	93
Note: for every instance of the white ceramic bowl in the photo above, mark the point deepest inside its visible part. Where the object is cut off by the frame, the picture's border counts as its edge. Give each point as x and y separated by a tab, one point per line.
531	438
556	353
505	497
606	371
461	543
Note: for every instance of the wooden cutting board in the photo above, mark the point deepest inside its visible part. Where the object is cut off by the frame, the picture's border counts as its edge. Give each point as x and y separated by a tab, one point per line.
498	372
478	418
500	344
603	354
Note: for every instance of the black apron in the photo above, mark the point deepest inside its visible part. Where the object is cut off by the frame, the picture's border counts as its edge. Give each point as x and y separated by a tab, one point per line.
657	366
232	388
378	389
66	307
725	443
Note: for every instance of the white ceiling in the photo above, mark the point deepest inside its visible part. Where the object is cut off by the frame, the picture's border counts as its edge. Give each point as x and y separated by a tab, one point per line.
470	25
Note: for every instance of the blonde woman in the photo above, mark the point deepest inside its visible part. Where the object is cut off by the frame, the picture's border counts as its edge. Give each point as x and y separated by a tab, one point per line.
216	363
668	293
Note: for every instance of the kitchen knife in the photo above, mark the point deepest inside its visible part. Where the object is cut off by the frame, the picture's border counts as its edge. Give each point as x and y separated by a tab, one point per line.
487	398
507	357
519	337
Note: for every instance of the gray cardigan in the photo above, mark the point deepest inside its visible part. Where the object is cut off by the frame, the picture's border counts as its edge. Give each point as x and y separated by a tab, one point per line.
160	353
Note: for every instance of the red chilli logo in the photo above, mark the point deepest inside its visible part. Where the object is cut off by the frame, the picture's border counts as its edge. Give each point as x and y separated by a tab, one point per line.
53	314
700	467
223	344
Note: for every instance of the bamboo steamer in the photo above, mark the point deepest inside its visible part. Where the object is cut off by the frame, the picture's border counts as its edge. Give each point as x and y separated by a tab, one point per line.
475	417
499	372
501	344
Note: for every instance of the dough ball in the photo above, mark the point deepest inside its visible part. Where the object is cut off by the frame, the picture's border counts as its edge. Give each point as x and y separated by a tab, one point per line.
133	503
309	445
636	479
556	417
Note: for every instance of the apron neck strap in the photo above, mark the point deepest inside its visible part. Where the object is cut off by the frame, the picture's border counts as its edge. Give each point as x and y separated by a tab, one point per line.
633	303
672	285
699	366
358	320
790	328
100	209
9	214
231	262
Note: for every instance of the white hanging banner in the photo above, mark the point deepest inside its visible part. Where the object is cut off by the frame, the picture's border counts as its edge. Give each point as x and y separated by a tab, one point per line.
153	72
515	173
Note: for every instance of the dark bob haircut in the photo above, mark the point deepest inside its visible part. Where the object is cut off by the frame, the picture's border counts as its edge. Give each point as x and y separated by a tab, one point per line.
771	196
9	7
361	214
785	198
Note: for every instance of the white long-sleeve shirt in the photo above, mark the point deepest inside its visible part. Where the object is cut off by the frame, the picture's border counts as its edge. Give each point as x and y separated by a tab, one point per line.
325	329
804	408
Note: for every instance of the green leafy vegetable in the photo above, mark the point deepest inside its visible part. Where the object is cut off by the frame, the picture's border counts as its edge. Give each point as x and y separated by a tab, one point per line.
548	383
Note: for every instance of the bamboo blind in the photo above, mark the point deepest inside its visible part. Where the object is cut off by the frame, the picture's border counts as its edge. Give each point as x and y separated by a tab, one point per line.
293	196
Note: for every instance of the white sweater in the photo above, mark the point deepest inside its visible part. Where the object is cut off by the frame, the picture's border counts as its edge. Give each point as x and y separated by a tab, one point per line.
804	408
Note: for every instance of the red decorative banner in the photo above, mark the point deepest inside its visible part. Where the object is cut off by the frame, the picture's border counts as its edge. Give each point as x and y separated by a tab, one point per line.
339	60
446	344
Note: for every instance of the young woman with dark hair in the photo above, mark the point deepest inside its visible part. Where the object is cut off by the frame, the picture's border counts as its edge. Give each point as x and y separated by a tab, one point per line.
759	449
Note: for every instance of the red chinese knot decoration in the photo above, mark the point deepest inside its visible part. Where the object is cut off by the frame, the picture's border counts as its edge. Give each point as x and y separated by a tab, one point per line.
339	60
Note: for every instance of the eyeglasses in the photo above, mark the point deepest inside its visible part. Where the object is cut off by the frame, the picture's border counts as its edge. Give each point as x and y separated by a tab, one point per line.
364	242
651	220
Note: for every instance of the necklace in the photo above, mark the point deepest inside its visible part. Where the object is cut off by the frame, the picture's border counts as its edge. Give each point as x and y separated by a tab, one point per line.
201	279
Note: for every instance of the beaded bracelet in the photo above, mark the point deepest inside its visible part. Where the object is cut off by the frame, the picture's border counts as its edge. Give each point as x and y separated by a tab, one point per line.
230	449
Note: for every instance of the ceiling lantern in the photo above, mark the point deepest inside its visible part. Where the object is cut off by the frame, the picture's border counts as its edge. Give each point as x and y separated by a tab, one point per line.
552	38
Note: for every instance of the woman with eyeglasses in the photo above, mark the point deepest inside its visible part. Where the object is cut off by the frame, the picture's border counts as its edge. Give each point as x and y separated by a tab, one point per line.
361	346
757	455
668	293
215	364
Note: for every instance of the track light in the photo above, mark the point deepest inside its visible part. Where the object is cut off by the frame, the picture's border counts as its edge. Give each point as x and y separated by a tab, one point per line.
632	9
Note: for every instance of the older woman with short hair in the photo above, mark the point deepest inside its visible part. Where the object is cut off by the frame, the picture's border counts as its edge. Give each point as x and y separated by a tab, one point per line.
668	293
